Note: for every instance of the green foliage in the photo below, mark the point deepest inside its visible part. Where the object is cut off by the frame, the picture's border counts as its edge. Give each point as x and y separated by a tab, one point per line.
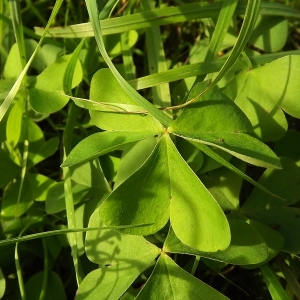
117	193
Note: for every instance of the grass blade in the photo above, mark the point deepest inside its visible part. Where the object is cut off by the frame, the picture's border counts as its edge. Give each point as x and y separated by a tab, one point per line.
224	20
164	16
140	101
12	93
251	15
61	231
202	68
156	61
276	290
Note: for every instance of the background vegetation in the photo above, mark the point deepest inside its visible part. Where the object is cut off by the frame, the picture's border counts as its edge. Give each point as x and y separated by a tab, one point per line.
154	154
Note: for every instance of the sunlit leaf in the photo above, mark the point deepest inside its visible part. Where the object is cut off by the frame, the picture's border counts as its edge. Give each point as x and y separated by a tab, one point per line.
222	124
103	142
121	257
45	91
246	246
106	89
165	186
169	281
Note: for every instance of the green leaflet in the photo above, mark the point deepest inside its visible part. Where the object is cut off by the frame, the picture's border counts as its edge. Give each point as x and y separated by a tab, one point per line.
268	120
273	239
222	124
277	84
45	91
164	187
105	89
246	246
270	33
136	97
280	80
169	281
101	143
285	183
283	219
121	258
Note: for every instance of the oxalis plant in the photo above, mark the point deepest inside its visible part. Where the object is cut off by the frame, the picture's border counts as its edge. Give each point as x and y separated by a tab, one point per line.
187	189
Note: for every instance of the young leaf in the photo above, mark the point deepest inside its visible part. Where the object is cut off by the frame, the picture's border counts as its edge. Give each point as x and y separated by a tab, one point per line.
103	142
136	97
169	281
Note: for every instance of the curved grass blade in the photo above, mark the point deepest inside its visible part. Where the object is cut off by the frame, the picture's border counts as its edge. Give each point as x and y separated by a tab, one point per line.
164	16
157	61
208	151
140	101
276	290
11	95
224	20
252	12
202	68
62	231
69	72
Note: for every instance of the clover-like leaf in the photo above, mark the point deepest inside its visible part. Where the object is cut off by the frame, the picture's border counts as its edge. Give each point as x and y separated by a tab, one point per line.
164	186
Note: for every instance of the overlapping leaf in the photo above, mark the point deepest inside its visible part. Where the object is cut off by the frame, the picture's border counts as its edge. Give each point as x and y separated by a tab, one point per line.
121	257
105	89
264	92
246	246
45	91
284	183
103	142
219	122
274	212
273	239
